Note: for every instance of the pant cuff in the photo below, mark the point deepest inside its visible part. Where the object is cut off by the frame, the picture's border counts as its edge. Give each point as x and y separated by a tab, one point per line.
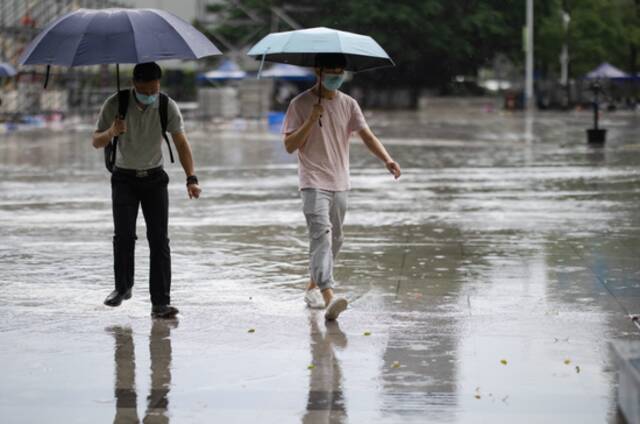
325	285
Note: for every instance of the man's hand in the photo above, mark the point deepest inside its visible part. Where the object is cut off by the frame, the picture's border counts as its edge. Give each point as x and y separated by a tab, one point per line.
102	138
393	167
194	190
118	127
316	112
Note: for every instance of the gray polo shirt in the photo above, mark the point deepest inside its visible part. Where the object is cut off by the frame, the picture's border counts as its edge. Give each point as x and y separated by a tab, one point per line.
141	146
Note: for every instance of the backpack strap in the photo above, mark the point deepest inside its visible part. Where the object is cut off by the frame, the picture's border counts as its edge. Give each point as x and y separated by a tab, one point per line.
164	120
123	105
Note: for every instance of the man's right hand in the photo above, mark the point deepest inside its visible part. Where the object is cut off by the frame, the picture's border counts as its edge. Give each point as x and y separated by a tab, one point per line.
118	127
316	112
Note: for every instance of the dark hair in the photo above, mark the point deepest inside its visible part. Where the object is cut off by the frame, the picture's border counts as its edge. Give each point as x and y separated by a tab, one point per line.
145	72
330	60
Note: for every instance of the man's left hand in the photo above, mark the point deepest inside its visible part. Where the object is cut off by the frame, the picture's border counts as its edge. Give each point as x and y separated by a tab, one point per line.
394	168
194	190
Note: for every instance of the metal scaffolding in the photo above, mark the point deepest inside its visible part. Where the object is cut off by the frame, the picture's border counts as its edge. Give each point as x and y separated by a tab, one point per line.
74	90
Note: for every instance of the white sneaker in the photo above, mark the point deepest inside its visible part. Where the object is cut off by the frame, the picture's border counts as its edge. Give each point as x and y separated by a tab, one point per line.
335	308
313	298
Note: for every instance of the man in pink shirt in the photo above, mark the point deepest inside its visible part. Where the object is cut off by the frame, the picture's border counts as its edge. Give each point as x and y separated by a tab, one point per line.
320	133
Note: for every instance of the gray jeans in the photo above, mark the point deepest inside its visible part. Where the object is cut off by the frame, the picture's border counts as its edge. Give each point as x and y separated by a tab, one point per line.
324	211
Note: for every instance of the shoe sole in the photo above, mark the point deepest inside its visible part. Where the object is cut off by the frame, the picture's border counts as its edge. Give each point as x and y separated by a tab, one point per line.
336	309
170	315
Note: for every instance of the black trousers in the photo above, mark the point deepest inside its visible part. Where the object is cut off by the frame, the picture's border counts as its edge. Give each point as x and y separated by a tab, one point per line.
128	193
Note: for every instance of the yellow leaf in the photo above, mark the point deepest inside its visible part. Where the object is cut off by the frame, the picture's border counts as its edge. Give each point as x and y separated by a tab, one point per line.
503	361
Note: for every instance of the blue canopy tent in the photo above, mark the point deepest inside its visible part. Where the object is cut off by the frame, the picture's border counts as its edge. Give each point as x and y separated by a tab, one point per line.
228	70
283	71
606	71
7	70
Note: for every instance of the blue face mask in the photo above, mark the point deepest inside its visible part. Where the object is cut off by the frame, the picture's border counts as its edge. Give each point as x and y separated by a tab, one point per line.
146	99
332	82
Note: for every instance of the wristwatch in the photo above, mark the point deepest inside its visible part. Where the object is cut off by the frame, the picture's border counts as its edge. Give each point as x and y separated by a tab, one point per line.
192	179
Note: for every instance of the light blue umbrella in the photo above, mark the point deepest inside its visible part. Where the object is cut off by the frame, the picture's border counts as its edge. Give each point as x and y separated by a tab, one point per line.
6	70
301	46
114	36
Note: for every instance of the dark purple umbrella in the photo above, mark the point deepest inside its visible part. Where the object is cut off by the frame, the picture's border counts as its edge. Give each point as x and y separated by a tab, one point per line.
114	36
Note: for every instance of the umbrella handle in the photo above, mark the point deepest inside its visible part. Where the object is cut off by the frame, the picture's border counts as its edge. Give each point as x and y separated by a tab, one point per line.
320	95
118	87
46	77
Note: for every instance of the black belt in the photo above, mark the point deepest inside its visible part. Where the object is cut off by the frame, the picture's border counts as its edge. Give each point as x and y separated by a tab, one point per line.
139	173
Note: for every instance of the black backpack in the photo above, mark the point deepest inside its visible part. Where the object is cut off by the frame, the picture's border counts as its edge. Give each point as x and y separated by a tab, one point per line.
123	105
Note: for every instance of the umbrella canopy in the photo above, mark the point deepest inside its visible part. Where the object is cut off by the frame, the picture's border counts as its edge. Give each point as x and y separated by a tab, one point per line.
228	70
6	70
286	72
605	70
301	46
107	36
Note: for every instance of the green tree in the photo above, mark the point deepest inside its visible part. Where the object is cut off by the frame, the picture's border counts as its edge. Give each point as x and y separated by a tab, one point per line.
599	31
432	41
630	18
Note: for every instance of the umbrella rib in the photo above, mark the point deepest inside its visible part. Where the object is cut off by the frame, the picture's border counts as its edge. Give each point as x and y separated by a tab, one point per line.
195	56
84	33
342	47
285	45
133	34
39	37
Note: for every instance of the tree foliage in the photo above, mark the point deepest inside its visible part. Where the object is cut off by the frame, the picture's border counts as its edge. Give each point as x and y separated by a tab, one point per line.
432	41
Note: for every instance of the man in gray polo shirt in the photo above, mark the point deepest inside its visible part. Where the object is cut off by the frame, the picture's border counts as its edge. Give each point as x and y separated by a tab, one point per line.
139	180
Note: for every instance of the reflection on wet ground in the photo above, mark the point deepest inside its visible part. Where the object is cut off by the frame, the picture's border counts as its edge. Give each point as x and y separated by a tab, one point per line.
125	365
485	284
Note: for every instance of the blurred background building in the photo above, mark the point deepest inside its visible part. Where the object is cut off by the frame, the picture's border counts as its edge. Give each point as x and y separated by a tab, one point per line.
443	50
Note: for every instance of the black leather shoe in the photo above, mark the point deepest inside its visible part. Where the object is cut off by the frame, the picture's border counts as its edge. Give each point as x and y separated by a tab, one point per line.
115	298
164	311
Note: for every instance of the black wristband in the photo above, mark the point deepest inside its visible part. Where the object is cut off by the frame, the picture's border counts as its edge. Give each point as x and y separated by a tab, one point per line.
192	179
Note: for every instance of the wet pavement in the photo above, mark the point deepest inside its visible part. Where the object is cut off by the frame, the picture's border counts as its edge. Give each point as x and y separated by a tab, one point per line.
485	284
